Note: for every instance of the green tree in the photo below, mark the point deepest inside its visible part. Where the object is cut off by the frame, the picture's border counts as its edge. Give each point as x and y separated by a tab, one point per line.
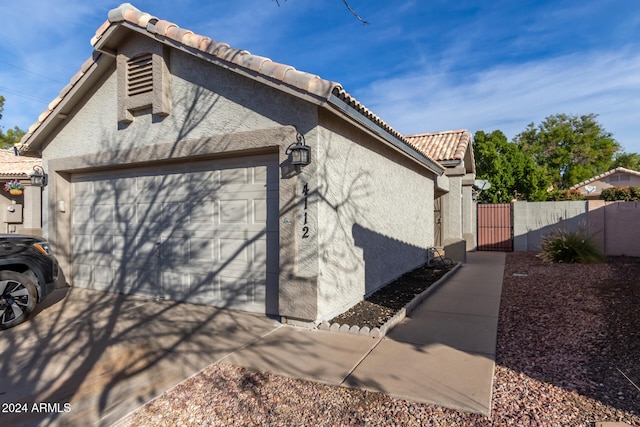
12	136
570	148
511	173
627	160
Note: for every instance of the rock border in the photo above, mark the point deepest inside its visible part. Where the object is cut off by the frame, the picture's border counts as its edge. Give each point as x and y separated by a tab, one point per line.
383	330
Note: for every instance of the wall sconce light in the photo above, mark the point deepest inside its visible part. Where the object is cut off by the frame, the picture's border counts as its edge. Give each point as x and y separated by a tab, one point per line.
299	151
38	177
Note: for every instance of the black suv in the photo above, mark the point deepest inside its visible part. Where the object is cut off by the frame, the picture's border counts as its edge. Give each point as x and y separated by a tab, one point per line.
28	273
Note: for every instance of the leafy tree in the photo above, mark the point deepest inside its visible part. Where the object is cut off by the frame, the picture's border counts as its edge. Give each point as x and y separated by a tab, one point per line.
13	135
627	160
11	138
570	148
511	173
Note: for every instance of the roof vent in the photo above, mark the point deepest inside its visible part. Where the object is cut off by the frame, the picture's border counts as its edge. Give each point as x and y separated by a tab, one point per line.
140	74
143	81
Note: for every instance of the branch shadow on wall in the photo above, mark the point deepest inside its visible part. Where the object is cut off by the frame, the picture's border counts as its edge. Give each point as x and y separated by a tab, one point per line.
381	256
149	233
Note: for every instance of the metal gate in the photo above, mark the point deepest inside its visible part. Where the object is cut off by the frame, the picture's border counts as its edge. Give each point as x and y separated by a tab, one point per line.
495	227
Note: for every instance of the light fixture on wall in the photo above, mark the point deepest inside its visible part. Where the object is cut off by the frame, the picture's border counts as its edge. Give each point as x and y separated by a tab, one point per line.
299	151
38	177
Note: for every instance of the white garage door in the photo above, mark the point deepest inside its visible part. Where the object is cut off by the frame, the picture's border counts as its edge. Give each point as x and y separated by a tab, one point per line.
204	232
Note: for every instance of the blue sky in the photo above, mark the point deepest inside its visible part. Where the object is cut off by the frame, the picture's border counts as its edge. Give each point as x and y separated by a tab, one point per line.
421	65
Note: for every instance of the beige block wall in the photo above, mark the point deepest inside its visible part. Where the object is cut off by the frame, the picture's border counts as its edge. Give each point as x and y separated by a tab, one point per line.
615	227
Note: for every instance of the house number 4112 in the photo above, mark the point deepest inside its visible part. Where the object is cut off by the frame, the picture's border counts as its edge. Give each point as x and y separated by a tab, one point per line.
305	196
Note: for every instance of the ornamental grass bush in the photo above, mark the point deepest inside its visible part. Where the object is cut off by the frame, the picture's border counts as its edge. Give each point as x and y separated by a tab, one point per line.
561	246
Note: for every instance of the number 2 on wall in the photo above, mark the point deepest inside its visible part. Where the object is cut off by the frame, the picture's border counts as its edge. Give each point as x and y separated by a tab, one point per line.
305	228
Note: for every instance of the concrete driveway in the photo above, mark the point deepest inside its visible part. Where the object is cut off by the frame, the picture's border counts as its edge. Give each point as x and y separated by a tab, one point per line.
89	357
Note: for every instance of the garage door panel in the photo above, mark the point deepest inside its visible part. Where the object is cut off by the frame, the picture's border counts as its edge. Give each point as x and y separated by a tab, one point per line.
233	211
203	212
232	249
81	214
234	176
202	250
203	289
197	232
147	283
126	214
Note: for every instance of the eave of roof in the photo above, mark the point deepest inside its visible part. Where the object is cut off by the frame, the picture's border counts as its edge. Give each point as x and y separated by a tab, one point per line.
311	87
605	174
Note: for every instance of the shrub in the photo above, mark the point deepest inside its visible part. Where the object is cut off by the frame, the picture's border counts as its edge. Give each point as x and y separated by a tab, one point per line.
564	195
627	194
563	246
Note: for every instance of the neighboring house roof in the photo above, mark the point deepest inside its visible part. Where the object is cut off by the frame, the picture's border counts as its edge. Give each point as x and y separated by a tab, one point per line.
444	146
603	175
309	86
14	167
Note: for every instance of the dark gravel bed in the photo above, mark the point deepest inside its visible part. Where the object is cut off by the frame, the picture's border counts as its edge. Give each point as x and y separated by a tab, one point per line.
381	306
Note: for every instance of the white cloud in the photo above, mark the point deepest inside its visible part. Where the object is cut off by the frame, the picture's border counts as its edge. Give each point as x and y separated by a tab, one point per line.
510	97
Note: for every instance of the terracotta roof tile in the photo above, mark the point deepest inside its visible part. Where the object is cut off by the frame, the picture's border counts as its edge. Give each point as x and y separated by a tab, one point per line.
12	166
605	174
442	146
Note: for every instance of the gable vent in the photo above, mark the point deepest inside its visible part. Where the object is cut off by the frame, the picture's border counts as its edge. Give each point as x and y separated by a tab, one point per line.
140	74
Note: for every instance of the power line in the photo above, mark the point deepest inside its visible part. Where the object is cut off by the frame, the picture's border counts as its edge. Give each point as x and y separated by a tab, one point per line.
32	72
24	95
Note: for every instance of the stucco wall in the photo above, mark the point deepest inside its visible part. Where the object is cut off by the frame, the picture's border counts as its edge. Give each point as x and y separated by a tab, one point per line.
469	218
213	112
376	212
533	220
206	101
453	215
615	227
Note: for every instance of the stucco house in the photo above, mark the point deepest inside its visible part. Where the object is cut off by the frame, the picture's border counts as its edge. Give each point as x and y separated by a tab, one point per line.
455	209
618	177
20	211
171	170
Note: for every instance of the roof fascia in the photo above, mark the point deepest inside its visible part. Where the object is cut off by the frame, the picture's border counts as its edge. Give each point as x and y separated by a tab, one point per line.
388	139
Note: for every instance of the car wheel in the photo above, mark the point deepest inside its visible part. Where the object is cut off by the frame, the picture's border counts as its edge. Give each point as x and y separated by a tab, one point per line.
17	298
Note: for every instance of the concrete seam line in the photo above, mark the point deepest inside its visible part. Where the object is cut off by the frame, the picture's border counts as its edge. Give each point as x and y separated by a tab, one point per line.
359	362
255	340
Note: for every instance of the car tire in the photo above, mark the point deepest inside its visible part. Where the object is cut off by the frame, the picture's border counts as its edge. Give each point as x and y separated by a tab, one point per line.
17	298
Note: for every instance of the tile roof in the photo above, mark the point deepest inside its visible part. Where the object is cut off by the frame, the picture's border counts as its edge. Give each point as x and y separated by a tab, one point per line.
442	146
602	175
12	166
305	83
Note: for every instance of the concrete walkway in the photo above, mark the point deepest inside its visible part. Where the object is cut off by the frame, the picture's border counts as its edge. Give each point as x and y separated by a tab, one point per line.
106	354
443	353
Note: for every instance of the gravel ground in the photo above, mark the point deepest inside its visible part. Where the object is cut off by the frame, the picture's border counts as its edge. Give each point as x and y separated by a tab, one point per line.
568	355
